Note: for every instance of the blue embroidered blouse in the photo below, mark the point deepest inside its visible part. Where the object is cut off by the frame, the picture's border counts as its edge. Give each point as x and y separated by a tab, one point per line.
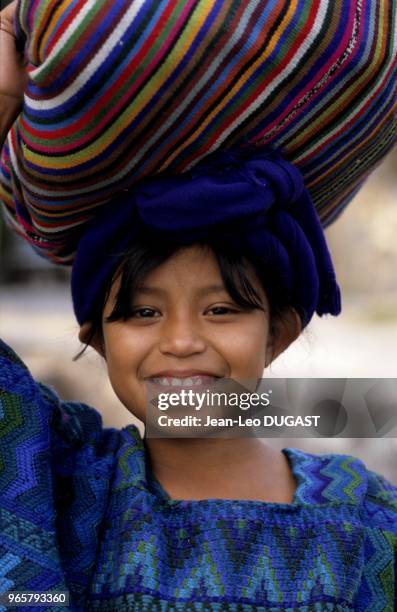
81	512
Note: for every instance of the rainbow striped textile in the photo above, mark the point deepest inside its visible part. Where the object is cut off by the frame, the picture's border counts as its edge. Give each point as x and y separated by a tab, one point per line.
81	510
123	90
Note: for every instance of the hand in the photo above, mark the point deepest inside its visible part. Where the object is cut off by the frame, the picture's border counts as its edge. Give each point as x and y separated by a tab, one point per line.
13	76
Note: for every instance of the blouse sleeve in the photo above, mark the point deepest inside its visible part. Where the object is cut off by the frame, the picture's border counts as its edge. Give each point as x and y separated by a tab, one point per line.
56	462
380	516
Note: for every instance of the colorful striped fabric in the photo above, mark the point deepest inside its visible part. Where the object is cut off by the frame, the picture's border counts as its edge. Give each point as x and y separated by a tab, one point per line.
123	90
80	510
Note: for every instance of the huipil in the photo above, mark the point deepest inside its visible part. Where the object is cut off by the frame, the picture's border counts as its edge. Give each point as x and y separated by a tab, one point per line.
81	511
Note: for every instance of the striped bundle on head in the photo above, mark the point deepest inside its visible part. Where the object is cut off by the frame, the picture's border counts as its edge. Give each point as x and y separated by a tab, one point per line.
119	91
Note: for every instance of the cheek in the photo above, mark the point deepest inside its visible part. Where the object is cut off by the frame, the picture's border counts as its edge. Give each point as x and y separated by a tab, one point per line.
124	356
245	348
126	348
130	391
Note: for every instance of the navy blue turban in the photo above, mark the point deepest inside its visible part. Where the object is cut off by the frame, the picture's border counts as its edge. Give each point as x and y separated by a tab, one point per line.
250	194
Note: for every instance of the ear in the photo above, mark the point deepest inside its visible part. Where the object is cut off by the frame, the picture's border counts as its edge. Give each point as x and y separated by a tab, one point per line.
284	330
95	342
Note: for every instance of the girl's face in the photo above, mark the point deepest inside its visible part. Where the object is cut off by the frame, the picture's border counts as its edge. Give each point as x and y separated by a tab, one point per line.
184	325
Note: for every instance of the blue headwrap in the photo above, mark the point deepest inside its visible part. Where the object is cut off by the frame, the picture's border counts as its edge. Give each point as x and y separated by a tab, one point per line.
252	194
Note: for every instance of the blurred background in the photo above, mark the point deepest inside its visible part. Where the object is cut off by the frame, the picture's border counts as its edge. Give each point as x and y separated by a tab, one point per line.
37	321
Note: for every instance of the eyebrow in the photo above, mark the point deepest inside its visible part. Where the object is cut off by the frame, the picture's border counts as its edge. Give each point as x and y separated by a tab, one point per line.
206	290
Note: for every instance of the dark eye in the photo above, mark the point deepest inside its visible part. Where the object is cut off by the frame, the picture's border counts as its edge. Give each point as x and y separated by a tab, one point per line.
145	313
222	310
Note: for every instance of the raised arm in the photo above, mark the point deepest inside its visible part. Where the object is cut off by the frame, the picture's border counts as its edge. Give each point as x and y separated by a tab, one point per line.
13	76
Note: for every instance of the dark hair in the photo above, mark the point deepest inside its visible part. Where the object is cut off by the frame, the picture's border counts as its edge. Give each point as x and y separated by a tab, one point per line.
147	254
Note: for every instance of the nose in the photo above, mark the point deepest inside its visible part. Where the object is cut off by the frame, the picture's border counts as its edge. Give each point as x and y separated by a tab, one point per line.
181	336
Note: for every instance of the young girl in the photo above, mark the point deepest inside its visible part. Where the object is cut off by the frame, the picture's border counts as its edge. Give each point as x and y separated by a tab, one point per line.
203	276
125	523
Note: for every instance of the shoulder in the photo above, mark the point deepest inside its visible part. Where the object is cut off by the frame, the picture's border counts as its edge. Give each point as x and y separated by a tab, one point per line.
7	354
14	375
345	479
28	405
380	503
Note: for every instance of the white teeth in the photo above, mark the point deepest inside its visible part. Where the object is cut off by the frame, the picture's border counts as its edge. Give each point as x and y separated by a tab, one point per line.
190	381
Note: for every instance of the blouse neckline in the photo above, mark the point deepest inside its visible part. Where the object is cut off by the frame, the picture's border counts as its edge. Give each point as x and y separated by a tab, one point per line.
292	456
321	480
